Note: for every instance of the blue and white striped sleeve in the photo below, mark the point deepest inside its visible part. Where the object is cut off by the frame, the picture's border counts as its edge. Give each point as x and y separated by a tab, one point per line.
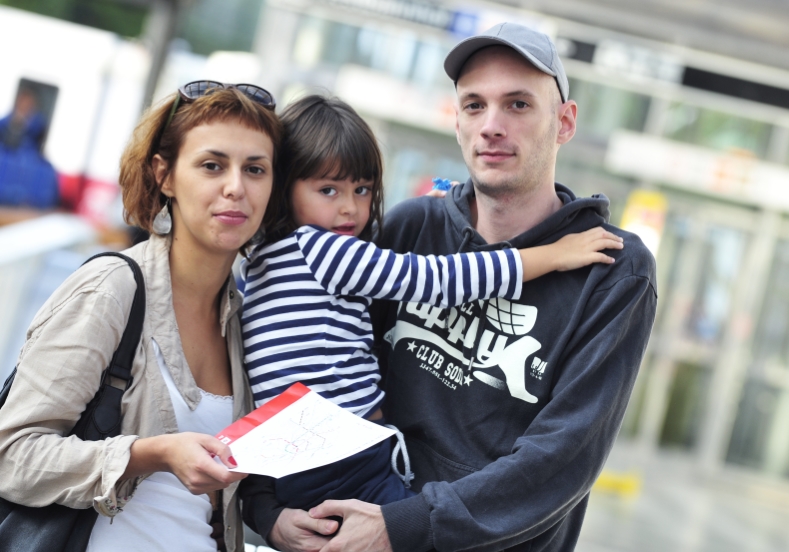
344	265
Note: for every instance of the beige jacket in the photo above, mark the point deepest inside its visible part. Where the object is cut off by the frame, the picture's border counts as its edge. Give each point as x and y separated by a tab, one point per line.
69	343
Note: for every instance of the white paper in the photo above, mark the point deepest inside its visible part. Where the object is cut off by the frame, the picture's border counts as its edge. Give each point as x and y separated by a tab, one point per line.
309	433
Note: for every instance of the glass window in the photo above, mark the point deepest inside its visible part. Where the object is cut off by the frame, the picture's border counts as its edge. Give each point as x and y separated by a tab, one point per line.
751	433
340	43
400	54
603	109
716	130
771	339
719	268
210	26
429	64
689	393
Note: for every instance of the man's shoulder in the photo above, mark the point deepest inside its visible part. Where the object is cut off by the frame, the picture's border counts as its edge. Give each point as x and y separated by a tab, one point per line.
405	221
414	210
634	260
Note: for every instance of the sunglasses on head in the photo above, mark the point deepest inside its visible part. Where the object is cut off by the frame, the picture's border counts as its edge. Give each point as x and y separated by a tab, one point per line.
193	90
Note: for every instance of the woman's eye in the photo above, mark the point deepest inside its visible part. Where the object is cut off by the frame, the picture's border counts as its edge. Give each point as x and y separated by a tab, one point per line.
328	191
257	170
363	190
211	166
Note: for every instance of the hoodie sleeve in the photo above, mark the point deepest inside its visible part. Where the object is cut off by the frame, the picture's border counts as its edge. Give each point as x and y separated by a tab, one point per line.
553	465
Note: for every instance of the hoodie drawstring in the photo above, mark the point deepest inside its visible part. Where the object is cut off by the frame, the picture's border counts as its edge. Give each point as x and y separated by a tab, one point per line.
399	447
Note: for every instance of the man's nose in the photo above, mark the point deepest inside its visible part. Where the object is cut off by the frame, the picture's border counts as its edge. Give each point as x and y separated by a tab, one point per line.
493	123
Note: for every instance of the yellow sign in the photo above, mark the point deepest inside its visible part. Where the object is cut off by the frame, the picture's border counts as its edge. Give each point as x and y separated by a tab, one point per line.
645	216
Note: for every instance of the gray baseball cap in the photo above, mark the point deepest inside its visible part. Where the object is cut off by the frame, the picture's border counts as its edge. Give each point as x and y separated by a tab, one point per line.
535	46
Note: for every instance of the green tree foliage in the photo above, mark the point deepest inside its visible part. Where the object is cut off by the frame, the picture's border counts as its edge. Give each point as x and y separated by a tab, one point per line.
120	17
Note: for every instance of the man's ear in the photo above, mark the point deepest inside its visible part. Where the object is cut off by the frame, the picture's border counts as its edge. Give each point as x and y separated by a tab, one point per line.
567	113
456	107
159	166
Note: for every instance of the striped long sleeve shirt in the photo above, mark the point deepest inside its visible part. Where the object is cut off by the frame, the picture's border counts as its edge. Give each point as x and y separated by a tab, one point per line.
306	308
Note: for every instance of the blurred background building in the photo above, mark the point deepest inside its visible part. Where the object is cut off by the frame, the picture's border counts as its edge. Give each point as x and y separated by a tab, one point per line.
683	124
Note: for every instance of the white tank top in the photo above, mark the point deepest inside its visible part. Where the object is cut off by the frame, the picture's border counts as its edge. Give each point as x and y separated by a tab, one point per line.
163	515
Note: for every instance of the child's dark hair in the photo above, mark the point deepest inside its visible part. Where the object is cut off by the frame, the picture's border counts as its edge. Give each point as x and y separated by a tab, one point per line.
323	138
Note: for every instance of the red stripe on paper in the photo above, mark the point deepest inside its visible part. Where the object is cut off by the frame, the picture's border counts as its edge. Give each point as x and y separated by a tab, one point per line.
244	425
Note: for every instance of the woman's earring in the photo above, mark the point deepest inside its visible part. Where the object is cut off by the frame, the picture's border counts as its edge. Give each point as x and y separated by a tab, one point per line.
163	222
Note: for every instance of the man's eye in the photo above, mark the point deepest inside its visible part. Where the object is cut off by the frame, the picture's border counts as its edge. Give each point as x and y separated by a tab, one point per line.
363	190
328	191
520	104
473	106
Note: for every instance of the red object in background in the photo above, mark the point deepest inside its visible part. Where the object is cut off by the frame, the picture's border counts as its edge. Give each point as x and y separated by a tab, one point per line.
88	197
70	187
423	186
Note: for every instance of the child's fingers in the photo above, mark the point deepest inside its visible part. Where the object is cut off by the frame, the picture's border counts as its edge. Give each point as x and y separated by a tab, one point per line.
601	233
605	234
601	258
607	243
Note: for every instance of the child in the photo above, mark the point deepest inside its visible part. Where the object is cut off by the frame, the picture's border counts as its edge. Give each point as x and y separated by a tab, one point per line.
309	287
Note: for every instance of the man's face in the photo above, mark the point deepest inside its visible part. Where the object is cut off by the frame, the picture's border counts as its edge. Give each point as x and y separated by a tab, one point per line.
510	122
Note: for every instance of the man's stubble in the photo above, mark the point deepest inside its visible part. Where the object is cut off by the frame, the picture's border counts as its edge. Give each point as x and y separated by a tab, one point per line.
529	179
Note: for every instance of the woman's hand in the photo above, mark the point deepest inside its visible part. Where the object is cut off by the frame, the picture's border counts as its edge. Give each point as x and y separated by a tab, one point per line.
570	252
189	456
296	531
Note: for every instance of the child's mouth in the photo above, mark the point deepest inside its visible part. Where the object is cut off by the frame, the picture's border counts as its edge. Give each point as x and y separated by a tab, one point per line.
345	229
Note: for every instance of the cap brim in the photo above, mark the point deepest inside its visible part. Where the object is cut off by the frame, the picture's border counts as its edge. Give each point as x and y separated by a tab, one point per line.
459	55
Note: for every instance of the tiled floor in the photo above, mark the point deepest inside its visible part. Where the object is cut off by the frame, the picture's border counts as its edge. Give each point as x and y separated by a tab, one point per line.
681	510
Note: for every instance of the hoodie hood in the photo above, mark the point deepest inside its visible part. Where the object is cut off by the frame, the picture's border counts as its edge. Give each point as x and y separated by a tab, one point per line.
575	212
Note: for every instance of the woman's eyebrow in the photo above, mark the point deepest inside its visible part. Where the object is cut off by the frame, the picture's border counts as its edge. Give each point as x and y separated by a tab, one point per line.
223	155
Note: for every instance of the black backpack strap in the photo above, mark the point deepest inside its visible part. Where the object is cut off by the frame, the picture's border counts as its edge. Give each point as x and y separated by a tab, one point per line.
102	415
121	363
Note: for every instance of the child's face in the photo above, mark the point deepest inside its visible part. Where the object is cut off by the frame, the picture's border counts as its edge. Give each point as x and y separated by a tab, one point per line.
342	206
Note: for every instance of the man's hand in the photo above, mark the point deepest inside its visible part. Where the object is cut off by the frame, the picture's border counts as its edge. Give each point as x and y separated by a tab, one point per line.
363	528
296	531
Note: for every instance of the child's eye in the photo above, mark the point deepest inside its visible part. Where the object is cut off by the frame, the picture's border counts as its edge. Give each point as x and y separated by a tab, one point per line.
363	190
327	191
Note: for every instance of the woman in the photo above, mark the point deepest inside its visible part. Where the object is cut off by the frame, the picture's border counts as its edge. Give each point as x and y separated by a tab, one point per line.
198	172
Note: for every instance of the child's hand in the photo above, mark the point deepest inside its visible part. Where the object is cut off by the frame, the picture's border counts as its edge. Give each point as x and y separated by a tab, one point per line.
571	252
577	250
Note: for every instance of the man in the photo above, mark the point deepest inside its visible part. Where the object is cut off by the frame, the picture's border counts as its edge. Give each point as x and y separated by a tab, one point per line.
509	408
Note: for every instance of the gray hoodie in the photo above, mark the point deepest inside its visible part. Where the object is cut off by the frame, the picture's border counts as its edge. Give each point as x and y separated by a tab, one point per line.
510	408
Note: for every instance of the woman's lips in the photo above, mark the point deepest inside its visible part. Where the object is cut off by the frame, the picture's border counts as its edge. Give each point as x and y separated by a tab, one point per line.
232	218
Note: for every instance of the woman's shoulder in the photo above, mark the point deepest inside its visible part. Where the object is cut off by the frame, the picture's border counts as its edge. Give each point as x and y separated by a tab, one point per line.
105	280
